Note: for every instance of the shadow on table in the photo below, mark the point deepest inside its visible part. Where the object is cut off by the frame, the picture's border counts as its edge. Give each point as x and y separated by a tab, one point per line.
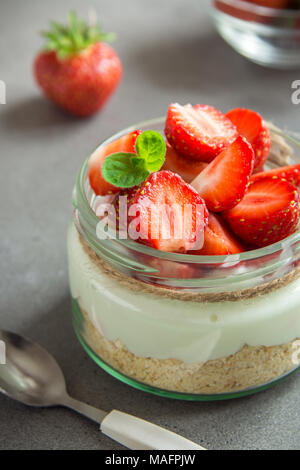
33	114
198	62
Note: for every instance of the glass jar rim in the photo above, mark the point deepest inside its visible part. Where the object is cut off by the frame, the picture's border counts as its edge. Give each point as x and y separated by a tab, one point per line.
81	202
262	10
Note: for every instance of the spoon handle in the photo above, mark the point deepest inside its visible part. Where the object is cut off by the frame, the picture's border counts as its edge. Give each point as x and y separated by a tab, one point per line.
137	434
134	433
86	410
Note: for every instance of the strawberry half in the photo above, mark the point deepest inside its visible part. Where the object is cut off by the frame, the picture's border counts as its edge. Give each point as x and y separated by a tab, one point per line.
252	126
270	3
223	183
160	209
198	132
290	173
187	169
125	144
218	239
268	213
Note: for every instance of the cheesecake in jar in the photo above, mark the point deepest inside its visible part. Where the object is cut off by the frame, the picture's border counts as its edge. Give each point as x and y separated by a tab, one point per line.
217	321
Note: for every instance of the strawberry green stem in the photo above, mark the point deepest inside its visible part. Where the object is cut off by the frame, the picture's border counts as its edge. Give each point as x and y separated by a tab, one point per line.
71	39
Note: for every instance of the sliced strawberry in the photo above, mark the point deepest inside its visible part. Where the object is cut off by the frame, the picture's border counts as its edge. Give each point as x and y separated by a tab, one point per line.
270	3
224	181
167	213
198	132
236	10
97	182
252	126
268	213
289	173
187	169
218	239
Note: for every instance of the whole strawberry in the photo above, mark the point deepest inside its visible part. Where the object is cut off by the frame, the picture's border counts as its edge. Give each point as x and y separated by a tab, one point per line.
77	70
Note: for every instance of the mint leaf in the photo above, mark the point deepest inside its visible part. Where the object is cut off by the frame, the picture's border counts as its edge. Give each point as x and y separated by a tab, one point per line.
151	146
124	170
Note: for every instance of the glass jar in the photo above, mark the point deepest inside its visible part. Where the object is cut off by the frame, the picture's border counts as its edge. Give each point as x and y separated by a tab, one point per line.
267	36
182	326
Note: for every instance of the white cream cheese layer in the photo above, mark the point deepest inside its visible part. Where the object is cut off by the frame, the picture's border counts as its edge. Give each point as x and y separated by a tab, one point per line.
151	326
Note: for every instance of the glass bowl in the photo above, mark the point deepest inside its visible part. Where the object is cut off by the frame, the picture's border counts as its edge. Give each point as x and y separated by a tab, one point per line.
267	36
182	326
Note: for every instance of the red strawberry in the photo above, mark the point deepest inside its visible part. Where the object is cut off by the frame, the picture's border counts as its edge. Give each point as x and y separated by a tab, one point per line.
198	132
159	211
252	126
187	169
247	12
289	173
218	239
238	11
224	181
77	71
268	213
125	144
270	3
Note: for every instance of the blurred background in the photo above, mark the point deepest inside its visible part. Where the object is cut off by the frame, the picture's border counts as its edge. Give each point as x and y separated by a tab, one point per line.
170	51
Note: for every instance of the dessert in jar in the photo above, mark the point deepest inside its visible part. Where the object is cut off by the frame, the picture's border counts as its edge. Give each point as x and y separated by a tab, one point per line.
208	312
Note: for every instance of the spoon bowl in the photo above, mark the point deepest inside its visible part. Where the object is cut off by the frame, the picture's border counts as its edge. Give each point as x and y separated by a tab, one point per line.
30	375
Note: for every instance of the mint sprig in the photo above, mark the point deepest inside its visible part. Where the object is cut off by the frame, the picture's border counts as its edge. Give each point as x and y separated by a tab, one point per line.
71	39
126	170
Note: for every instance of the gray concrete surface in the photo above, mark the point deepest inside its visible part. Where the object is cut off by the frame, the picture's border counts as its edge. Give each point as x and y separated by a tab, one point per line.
170	52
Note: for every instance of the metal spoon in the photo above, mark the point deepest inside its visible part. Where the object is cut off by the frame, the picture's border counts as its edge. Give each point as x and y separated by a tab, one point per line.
32	376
